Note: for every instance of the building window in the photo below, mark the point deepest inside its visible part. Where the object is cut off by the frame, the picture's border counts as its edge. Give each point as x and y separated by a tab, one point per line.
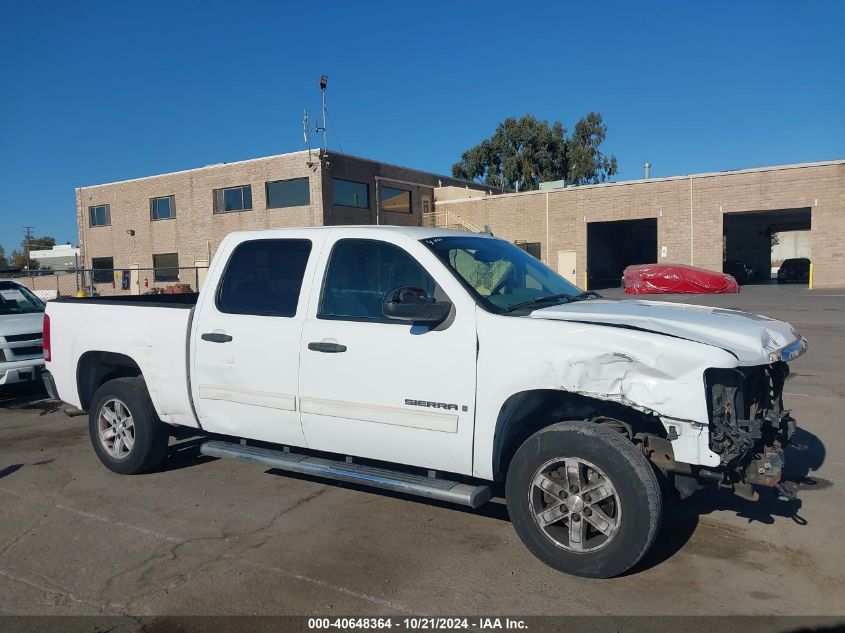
163	208
346	193
233	199
288	193
264	277
395	200
99	215
166	267
532	248
103	269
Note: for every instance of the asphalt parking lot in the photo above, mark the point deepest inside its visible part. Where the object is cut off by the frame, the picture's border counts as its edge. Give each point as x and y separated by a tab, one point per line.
205	536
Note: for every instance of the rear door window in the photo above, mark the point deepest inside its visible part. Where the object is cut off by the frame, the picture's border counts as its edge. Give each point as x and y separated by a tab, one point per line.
264	277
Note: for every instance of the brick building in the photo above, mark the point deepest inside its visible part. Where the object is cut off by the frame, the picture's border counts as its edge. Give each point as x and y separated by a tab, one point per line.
178	219
589	233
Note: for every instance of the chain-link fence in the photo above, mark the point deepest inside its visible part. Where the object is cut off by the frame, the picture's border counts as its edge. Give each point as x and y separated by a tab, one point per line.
49	284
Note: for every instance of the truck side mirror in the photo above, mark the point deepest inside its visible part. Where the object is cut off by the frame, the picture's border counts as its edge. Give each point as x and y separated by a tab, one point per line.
410	303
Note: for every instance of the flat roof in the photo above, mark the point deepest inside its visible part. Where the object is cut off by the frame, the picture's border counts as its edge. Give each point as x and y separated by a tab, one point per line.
64	252
193	169
414	232
287	154
477	185
726	172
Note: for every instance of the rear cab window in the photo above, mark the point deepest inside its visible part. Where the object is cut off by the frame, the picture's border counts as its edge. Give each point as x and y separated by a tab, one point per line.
264	277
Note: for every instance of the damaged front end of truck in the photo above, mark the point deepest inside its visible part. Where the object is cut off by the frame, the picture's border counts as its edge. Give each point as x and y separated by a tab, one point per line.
749	427
740	443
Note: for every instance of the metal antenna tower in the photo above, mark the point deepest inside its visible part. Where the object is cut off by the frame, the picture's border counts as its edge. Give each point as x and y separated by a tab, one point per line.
305	135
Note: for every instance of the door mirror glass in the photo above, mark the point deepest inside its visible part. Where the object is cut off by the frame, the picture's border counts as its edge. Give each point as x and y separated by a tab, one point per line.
410	303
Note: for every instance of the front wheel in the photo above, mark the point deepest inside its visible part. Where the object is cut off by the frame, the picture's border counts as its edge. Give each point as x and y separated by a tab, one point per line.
583	499
126	433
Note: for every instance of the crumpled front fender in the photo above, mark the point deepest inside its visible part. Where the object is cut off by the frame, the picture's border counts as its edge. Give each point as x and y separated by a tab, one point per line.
653	373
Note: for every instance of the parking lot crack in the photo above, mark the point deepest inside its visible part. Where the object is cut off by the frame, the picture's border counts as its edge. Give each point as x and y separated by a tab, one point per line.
62	593
24	533
174	554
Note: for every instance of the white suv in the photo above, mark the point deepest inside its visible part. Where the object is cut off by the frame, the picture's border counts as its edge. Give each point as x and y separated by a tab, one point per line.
21	316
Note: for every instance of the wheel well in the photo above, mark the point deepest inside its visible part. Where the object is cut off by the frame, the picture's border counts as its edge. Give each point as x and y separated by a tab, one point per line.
96	368
525	413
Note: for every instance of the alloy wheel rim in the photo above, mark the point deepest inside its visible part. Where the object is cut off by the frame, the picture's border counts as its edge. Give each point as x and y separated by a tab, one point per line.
116	428
575	504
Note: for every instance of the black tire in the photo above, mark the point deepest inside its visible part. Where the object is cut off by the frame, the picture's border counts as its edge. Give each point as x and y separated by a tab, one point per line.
636	487
151	436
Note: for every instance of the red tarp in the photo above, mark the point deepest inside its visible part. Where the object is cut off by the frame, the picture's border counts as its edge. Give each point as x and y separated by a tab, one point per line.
649	279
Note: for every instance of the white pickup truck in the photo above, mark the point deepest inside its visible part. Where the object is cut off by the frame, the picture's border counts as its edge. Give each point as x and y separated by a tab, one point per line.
21	358
437	363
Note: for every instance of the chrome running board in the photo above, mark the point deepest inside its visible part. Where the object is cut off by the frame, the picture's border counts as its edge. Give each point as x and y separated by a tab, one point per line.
398	481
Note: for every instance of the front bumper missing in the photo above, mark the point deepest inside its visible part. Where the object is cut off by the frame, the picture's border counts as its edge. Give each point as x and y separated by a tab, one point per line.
765	468
749	427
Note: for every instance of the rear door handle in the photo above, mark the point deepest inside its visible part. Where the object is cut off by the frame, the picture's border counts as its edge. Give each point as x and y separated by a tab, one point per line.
327	348
216	337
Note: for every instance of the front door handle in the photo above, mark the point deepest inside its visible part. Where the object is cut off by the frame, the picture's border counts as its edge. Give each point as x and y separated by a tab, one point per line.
216	337
327	348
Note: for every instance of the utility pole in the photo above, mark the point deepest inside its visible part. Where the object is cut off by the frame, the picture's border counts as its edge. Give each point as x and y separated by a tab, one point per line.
28	242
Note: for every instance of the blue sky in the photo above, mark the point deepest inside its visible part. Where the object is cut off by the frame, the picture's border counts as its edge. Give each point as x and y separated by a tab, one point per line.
100	91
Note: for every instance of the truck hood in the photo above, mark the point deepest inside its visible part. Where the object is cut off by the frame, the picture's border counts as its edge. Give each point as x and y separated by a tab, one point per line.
29	323
754	339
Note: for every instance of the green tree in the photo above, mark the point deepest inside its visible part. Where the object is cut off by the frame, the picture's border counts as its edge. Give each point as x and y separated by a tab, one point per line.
4	263
40	243
586	164
20	259
524	152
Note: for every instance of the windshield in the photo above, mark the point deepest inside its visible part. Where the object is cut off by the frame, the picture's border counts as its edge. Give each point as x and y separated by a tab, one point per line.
499	274
15	299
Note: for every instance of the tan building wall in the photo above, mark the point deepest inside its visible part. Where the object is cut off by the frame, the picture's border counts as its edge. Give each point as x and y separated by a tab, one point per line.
196	230
453	192
689	212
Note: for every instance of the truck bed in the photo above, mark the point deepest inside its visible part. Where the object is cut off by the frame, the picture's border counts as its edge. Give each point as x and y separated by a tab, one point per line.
150	331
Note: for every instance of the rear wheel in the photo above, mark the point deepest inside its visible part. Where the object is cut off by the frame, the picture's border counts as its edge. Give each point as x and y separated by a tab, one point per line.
125	431
583	499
